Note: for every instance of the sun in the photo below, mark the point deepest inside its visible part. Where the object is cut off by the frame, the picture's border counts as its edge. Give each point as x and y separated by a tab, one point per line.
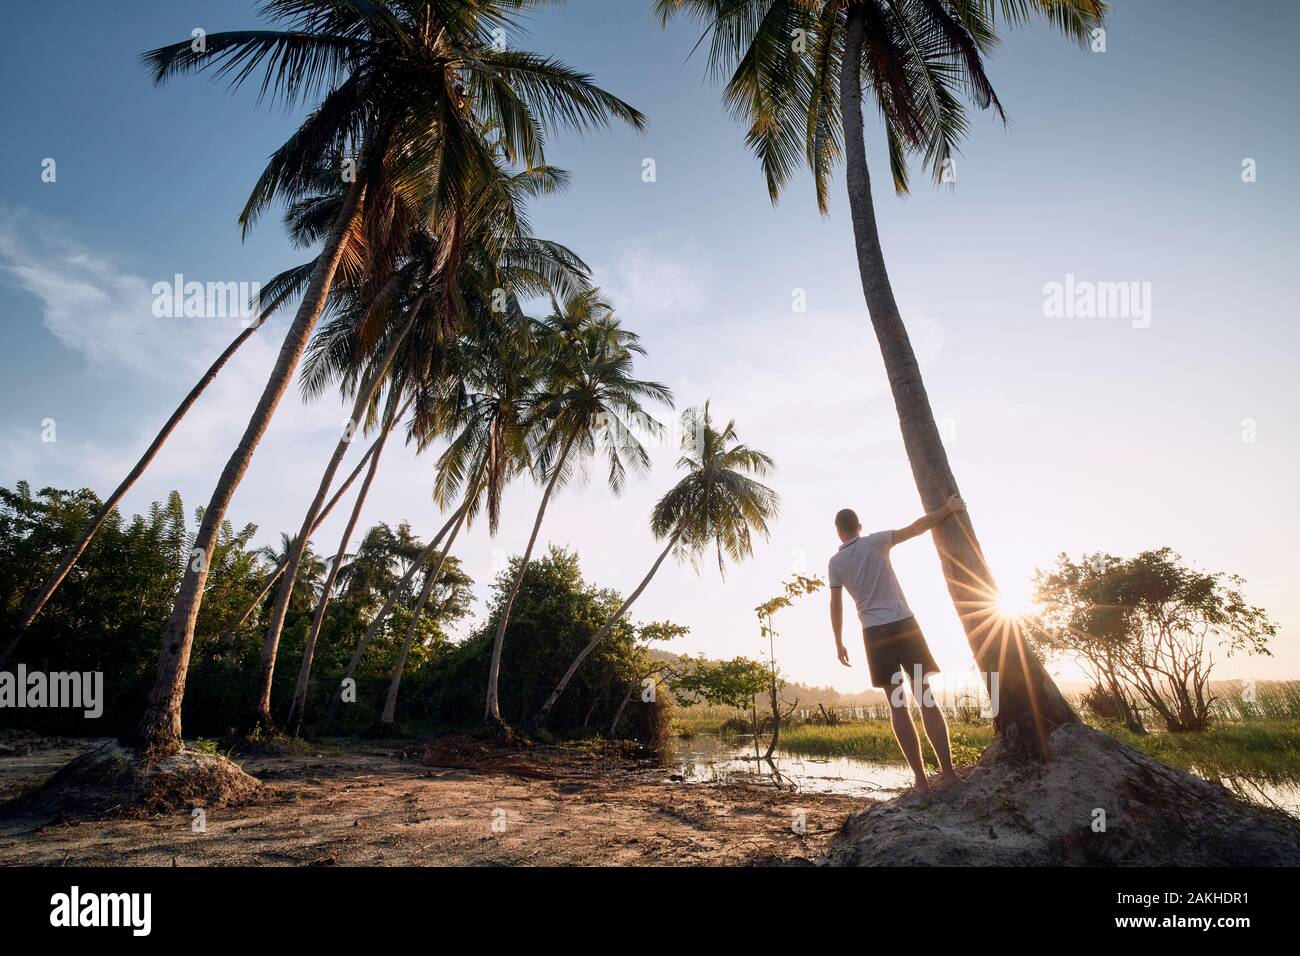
1016	600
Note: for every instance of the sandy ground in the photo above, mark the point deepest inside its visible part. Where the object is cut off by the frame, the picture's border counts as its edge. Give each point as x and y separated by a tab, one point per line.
367	804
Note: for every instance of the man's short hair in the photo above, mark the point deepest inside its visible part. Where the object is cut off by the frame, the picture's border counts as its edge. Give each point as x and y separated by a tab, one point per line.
846	521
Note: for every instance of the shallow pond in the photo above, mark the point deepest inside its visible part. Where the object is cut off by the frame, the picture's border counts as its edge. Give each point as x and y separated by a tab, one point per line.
709	758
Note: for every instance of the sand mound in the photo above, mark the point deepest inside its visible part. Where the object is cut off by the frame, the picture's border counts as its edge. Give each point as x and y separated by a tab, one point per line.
113	781
1009	812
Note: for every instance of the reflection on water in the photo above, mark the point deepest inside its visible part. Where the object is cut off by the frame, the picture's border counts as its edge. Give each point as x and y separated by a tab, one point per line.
710	759
1279	793
707	758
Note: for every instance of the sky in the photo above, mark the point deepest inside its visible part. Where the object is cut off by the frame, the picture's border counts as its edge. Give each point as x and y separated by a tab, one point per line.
1174	424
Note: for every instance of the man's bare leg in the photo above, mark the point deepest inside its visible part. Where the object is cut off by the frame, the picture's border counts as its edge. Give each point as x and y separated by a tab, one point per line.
936	728
900	718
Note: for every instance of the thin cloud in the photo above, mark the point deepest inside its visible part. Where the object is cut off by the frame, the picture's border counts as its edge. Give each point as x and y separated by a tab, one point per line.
647	279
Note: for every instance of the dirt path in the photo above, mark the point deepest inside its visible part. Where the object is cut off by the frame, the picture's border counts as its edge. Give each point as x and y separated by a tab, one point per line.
368	805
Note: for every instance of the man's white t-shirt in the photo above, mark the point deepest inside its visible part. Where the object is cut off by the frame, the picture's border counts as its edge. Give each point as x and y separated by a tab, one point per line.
862	568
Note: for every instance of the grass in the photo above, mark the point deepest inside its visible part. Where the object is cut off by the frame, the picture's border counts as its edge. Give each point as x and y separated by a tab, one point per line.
703	719
874	740
1255	737
1265	749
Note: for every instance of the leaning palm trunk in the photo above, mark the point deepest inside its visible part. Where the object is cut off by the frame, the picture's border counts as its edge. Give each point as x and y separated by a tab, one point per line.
618	714
160	727
390	704
271	644
544	714
382	614
74	553
309	651
1027	702
269	581
492	705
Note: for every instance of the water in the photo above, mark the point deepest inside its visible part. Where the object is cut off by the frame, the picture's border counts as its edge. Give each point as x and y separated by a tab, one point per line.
708	758
1281	795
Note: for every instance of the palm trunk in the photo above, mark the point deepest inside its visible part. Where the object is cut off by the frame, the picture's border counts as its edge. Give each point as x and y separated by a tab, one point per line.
309	651
618	714
382	614
159	730
73	555
269	581
1027	700
390	704
544	714
492	705
271	644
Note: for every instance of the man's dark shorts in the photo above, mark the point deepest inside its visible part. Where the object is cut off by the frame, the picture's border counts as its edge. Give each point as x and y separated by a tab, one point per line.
898	645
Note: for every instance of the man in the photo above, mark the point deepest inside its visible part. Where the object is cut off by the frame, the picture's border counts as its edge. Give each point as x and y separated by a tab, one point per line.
895	644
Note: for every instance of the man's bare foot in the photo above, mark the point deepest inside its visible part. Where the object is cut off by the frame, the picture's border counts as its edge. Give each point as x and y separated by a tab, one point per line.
951	778
922	785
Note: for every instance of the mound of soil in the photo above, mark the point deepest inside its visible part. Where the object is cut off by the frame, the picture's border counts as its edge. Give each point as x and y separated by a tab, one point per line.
113	781
1096	802
480	754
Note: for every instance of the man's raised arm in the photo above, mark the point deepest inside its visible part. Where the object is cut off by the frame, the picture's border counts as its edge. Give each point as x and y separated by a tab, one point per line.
953	505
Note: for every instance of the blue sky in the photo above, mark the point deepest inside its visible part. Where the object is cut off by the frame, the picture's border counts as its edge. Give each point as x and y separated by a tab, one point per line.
1066	434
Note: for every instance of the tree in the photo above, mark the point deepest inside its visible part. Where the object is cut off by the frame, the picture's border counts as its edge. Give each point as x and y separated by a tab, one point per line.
311	570
797	586
1147	627
443	275
717	504
802	101
391	75
730	683
554	614
336	565
494	370
275	293
653	673
274	574
115	601
499	261
456	584
591	403
365	394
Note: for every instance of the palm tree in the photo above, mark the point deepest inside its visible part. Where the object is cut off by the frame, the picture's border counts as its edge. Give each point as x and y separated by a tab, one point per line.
490	433
718	503
371	572
275	293
365	394
496	257
410	86
453	578
493	371
802	102
274	574
311	570
322	604
591	403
